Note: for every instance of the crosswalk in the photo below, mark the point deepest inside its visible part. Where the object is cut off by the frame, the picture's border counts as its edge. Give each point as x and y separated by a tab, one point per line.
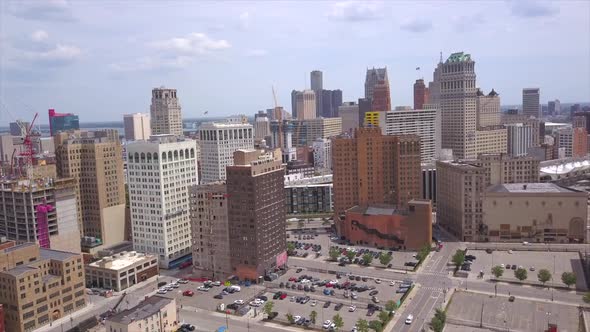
438	289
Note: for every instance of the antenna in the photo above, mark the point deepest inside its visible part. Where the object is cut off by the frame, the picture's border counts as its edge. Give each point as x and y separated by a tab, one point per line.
440	60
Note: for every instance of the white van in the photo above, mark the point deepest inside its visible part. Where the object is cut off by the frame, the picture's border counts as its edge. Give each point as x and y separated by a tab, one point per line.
237	288
409	319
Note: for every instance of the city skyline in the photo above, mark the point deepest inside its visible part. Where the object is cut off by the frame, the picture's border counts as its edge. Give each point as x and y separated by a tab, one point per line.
62	55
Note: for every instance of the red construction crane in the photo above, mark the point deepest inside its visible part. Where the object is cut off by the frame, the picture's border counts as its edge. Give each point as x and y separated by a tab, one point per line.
27	154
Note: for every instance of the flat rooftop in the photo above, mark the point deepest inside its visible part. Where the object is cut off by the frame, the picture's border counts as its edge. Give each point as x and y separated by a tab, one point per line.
145	309
529	188
122	260
375	210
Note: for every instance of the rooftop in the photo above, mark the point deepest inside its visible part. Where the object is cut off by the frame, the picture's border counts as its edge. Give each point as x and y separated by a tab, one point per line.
459	57
18	270
145	309
533	188
122	260
375	210
56	254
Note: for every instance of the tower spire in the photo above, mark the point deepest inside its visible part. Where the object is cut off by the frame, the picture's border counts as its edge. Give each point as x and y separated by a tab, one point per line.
440	59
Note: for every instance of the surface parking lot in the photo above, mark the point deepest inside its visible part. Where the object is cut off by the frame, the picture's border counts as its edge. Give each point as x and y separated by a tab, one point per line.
323	239
500	314
564	262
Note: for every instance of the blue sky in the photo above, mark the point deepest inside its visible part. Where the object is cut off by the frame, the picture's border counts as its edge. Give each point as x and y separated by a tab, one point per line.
101	59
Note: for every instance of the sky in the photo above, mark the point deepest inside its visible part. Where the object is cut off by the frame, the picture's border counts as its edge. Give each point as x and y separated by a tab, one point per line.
100	59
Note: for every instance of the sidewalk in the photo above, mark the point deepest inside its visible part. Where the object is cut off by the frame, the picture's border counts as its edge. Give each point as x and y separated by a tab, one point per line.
534	299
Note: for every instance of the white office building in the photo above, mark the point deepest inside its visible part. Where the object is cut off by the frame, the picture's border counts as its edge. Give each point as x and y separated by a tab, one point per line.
219	141
424	123
322	155
137	126
520	138
159	172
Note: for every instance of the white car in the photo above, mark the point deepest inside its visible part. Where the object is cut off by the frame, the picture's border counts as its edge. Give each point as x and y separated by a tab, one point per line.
296	318
162	291
313	303
203	288
293	298
216	283
392	283
239	302
175	285
182	281
352	308
354	295
327	324
409	319
377	281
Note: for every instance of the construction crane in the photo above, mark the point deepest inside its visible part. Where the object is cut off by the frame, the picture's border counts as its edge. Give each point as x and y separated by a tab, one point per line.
26	155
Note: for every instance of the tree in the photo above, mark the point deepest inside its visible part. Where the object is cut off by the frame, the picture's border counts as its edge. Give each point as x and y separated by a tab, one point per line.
497	271
367	259
268	306
338	322
384	316
376	325
312	316
586	298
350	254
459	258
300	223
362	325
438	321
544	275
334	253
385	258
390	306
568	278
290	247
290	318
520	274
424	251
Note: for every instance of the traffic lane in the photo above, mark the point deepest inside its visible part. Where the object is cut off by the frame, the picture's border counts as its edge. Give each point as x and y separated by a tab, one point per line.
356	270
416	302
425	313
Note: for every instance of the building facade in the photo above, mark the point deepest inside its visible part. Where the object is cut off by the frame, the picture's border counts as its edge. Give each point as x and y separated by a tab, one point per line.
322	155
531	105
282	138
313	198
95	160
256	213
423	123
137	126
210	231
154	314
372	78
305	104
381	101
307	131
165	112
121	271
420	94
520	138
62	122
41	285
261	126
330	101
349	113
160	171
534	212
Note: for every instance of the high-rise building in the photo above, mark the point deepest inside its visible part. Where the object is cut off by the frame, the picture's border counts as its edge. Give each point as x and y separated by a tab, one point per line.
488	109
18	128
531	102
330	101
306	131
372	168
42	285
520	139
293	104
209	225
434	86
573	141
305	104
166	116
255	185
62	122
44	211
316	78
6	148
490	136
261	126
423	123
364	108
282	138
421	94
372	78
458	105
349	113
381	101
460	186
537	129
95	159
322	155
219	141
137	126
160	171
554	107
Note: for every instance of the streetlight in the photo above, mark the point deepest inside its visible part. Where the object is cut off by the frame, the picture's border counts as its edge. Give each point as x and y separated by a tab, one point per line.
226	319
548	313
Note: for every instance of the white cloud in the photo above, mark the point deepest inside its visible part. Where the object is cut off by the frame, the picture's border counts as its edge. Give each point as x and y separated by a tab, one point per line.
356	11
532	9
256	53
39	36
468	23
245	20
42	10
60	54
416	25
152	63
195	43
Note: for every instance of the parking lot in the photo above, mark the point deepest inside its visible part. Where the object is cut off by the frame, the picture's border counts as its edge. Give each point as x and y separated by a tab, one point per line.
553	261
500	314
399	258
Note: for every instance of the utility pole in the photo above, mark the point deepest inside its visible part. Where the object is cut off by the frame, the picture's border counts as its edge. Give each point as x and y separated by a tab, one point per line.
496	290
481	316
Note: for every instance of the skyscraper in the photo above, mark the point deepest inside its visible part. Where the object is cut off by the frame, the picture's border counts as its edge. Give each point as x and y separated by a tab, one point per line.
554	107
316	77
381	101
520	138
160	171
349	113
166	116
306	105
137	126
62	122
293	104
261	126
458	105
531	102
255	185
330	101
420	94
434	86
219	141
372	78
95	159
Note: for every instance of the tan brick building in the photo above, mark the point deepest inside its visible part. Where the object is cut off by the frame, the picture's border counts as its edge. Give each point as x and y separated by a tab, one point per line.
372	168
154	314
39	285
306	131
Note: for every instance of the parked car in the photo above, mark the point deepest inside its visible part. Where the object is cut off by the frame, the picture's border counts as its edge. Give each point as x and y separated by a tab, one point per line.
188	292
352	308
218	296
338	306
409	319
327	304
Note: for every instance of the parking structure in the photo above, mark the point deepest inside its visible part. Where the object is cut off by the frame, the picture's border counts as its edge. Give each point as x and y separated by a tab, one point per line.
533	261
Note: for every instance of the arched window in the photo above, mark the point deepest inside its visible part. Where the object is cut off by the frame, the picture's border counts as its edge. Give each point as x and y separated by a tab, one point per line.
181	154
192	153
175	155
136	157
169	155
142	157
186	153
149	157
155	156
163	156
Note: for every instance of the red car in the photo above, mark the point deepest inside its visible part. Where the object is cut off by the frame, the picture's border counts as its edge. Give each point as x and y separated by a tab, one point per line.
283	296
188	292
292	279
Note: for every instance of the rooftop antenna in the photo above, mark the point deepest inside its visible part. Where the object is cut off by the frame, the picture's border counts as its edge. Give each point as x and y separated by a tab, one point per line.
440	60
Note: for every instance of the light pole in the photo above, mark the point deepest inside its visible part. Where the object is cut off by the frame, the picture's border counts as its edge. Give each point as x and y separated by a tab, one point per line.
548	313
226	320
552	278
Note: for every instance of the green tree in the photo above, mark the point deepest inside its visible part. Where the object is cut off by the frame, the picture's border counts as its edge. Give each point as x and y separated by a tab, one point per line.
268	306
312	316
300	224
424	251
367	258
362	325
385	258
290	247
441	314
338	322
290	318
497	271
568	278
459	258
350	254
438	321
334	253
390	306
384	316
586	298
520	274
376	325
544	275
